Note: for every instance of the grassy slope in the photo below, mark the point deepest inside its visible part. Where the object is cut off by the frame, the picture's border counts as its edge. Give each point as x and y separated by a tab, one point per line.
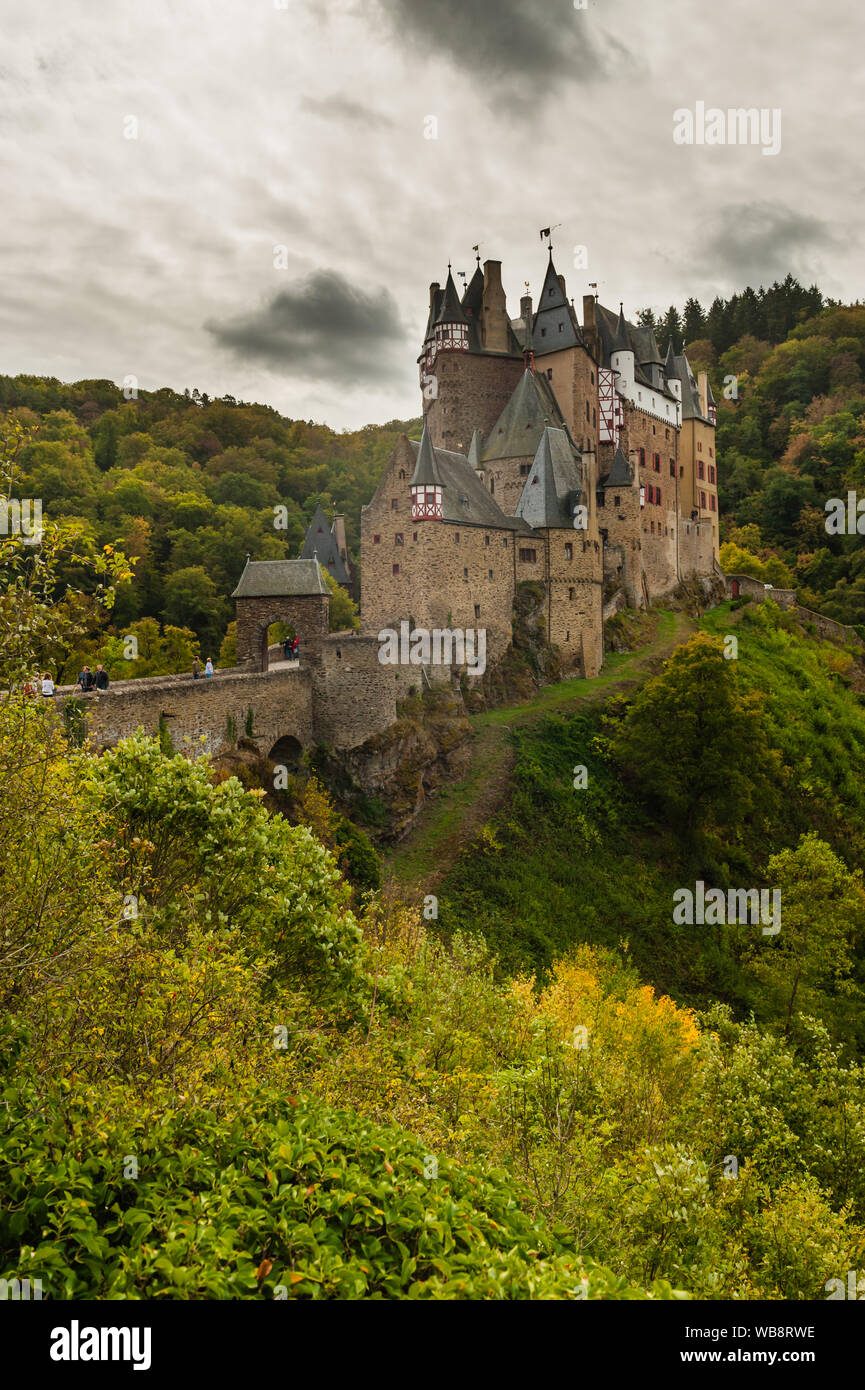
559	865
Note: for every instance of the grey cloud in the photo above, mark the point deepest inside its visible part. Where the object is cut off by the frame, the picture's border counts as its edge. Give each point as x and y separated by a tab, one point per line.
525	44
758	242
339	108
322	327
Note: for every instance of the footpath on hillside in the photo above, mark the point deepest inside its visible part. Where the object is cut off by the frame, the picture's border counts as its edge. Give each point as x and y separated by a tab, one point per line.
453	818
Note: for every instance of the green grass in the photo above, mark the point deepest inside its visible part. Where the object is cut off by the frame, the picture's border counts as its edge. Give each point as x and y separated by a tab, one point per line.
421	856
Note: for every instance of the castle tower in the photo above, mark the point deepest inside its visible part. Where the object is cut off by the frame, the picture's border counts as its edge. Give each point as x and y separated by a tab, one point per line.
471	360
622	356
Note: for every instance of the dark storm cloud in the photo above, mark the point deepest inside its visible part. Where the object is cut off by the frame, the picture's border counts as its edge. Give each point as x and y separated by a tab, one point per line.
758	242
527	44
322	327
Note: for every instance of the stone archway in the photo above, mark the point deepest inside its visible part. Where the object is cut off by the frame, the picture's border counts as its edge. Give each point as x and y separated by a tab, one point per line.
287	751
281	591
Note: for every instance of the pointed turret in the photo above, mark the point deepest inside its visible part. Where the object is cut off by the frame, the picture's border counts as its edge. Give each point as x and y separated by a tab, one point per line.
621	474
426	482
555	323
451	326
621	342
670	363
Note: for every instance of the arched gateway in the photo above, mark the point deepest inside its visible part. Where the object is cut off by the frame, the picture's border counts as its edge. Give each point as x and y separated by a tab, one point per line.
281	591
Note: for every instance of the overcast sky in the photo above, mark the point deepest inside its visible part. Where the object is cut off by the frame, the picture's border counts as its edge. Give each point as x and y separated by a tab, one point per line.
258	127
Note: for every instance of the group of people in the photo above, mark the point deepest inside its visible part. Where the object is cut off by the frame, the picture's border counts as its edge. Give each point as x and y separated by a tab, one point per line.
90	680
291	649
196	669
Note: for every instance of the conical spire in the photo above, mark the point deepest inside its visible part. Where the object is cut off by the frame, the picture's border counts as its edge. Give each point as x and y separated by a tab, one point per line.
621	473
670	363
451	310
622	342
426	470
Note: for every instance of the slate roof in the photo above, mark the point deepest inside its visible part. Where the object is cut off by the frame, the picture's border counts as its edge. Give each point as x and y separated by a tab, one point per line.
320	540
451	309
471	306
280	579
426	471
621	474
554	486
640	341
555	324
519	428
690	393
465	500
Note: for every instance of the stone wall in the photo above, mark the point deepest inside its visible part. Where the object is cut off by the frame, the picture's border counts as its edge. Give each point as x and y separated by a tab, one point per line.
472	389
355	695
739	585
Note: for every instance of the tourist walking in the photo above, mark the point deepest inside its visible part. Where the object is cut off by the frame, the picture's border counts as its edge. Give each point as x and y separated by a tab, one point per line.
47	685
85	678
196	669
208	669
101	678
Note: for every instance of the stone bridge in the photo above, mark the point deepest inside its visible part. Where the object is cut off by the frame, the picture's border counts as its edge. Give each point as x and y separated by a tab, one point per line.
338	695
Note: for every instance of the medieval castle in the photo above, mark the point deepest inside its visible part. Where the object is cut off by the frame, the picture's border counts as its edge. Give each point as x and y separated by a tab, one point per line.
565	454
573	455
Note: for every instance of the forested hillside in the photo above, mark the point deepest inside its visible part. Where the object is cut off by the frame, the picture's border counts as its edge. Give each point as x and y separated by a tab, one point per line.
188	485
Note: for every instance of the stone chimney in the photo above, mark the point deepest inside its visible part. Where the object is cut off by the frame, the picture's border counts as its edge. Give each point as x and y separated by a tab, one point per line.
339	536
703	393
495	313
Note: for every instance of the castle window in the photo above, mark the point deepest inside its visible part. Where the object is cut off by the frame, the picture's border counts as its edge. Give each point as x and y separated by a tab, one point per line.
571	592
569	551
396	569
543	333
654	431
593	378
711	452
528	557
568	635
587	410
505	542
617	502
703	500
465	574
550	292
376	539
561	328
712	501
701	468
656	462
525	470
492	490
535	480
642	458
594	417
486	540
700	447
402	472
667	432
549	373
489	574
456	537
672	468
658	496
414	535
394	504
397	540
477	610
711	473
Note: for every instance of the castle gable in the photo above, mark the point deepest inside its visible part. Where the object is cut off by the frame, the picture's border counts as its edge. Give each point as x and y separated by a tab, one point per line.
555	324
520	427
